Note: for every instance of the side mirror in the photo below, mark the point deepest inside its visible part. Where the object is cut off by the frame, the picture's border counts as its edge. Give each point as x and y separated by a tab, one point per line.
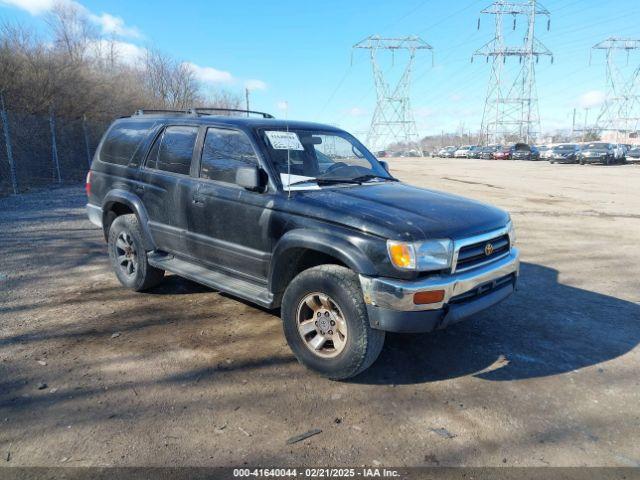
385	165
249	178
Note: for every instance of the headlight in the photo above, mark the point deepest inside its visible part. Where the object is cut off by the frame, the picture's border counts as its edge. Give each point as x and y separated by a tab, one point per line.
421	256
512	233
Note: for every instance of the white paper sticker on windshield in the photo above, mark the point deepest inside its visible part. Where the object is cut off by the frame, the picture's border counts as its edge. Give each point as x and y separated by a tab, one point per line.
284	140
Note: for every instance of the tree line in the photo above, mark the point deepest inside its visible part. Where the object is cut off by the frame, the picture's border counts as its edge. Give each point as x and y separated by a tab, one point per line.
76	71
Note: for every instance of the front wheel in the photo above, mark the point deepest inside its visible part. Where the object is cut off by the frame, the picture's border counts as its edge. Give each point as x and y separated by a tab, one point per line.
326	324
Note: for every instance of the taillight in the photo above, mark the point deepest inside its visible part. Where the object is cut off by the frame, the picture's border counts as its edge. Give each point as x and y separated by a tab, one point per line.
87	185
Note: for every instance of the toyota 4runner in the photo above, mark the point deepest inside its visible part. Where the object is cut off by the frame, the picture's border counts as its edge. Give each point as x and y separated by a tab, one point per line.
296	216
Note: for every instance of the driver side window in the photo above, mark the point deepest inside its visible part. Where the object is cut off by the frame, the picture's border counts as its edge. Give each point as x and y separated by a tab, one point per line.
223	153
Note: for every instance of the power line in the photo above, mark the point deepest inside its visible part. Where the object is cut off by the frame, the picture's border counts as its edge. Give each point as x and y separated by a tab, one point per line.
620	112
392	119
511	108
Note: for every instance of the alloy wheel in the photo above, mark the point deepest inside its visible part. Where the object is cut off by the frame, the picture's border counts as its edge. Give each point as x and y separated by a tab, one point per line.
126	254
321	325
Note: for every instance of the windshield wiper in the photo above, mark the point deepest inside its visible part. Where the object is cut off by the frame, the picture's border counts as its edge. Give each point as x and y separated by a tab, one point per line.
370	176
334	181
324	181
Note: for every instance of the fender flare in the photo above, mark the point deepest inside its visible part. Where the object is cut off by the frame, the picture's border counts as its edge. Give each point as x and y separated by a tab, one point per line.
134	203
335	245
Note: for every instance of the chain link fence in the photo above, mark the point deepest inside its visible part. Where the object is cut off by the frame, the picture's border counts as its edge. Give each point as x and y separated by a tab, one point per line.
37	151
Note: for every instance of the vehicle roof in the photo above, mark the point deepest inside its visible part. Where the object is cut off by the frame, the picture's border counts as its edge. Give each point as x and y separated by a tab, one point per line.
234	121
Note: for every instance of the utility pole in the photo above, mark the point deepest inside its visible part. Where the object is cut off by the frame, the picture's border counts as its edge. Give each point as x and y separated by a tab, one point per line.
392	119
620	112
573	125
511	107
246	99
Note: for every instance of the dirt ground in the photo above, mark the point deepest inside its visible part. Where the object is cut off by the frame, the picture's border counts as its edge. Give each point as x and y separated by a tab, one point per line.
92	374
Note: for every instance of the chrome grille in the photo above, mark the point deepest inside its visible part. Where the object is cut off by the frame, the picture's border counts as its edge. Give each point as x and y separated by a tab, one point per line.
476	254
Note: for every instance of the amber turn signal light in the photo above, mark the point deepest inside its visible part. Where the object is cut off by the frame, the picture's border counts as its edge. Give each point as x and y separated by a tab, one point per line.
401	255
432	296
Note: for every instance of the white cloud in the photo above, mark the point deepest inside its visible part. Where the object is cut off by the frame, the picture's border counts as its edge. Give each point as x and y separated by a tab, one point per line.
34	7
254	84
423	112
356	112
113	25
593	98
109	24
127	53
210	75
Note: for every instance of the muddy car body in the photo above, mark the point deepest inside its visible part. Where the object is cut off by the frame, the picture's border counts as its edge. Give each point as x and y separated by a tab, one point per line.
296	216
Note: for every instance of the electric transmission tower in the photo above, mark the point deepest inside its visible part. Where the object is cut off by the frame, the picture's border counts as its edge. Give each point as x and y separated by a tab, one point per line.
511	104
620	112
392	119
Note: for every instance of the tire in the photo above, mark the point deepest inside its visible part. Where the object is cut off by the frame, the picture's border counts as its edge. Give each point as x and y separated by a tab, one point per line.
128	256
343	299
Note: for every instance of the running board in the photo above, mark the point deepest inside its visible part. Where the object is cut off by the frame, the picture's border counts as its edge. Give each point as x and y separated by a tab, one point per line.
219	281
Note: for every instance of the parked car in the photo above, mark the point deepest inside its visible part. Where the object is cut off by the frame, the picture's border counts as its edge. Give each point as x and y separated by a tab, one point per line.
634	152
463	151
544	149
503	153
487	152
597	152
565	153
297	216
523	151
449	152
474	151
619	152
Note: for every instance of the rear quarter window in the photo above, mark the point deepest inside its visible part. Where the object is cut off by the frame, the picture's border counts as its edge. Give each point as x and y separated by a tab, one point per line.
123	140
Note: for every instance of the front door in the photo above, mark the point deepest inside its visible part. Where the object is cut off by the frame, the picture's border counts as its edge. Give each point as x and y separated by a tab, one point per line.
229	226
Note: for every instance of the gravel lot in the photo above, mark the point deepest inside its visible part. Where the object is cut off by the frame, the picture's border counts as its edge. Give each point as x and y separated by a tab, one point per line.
92	374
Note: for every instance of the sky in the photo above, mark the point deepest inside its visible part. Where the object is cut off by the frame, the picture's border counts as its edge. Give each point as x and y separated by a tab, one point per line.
297	58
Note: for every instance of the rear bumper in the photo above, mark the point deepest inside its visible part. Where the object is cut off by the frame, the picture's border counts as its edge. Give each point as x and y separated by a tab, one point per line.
94	213
390	302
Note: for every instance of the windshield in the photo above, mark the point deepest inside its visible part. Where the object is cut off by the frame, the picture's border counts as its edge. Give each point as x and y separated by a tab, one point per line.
561	148
303	155
598	146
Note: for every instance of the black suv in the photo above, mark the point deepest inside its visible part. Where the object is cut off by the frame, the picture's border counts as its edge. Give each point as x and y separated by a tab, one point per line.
296	216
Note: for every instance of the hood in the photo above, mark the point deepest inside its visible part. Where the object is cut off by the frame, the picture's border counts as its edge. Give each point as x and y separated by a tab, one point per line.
595	150
395	210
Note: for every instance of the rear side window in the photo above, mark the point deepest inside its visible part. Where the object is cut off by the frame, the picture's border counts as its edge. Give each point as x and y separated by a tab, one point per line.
225	151
172	151
123	140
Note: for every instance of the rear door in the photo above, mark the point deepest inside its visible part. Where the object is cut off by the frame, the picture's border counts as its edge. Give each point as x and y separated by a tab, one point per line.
229	226
167	185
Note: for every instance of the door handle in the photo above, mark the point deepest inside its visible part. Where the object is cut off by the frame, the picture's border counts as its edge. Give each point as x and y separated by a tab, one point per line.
138	188
198	200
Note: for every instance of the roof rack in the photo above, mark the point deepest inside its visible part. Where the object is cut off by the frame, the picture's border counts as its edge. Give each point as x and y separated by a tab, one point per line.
160	111
208	110
201	111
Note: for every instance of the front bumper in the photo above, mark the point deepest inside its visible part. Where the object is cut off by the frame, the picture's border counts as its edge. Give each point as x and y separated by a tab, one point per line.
593	159
563	159
390	301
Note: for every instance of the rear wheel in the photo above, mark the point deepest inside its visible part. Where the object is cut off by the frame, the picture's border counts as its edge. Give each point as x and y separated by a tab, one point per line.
326	324
128	256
